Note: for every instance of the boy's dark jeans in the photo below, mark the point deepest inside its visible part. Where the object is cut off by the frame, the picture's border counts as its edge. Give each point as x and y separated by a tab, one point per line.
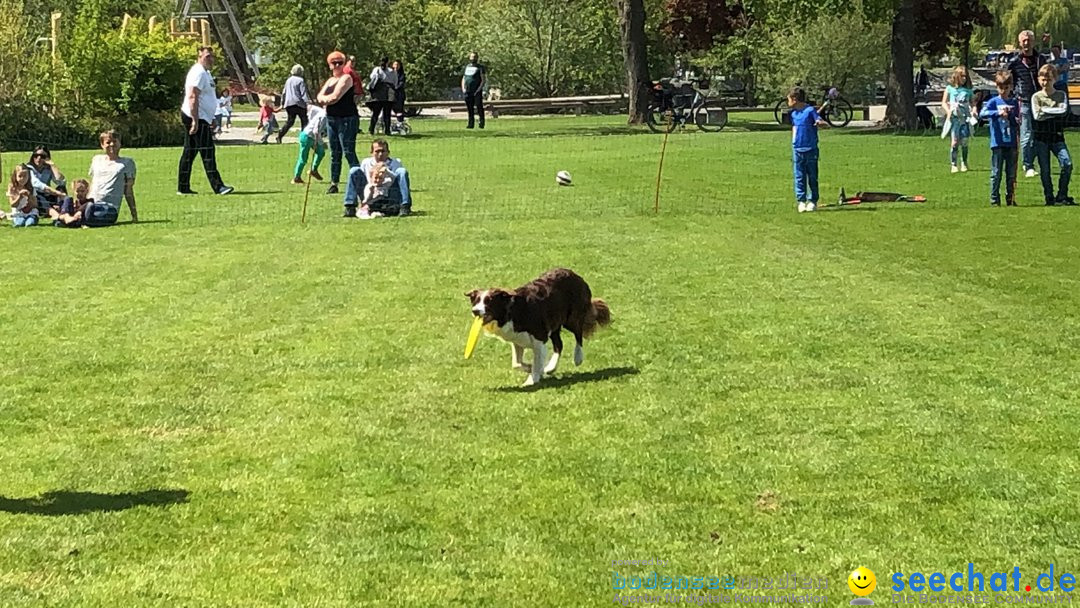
1042	153
1003	159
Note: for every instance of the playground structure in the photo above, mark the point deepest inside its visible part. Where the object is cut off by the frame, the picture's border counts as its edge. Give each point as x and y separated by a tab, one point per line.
218	18
215	21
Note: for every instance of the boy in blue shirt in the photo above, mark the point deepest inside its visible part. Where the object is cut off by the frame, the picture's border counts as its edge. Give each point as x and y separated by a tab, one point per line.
804	144
1003	114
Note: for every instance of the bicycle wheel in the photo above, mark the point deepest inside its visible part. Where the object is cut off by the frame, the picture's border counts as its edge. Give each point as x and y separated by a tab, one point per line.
779	111
840	112
658	119
711	116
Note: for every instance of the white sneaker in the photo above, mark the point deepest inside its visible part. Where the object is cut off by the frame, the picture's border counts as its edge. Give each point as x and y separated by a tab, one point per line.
802	207
963	167
955	169
1030	173
811	206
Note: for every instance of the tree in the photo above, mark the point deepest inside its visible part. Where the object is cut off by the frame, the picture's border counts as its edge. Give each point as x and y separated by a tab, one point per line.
940	24
797	55
697	25
304	31
900	84
1061	19
635	57
540	48
422	34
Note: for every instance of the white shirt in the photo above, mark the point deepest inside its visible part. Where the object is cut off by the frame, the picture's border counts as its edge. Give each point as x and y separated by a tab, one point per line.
108	177
316	126
392	164
200	78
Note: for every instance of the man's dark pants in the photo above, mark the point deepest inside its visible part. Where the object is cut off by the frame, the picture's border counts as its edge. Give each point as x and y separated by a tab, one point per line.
474	101
201	143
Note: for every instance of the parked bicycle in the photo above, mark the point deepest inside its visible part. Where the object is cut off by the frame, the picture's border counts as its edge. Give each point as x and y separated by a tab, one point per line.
677	102
836	110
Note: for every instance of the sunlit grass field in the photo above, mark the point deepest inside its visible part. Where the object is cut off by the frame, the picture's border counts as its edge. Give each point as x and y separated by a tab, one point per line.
223	406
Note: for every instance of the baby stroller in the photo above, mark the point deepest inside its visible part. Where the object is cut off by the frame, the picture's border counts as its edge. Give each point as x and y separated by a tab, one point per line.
400	126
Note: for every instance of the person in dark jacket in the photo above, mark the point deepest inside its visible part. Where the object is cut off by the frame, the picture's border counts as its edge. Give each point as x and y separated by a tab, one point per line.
1025	72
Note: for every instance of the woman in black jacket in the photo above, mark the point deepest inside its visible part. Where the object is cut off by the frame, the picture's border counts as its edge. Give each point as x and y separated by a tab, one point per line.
399	92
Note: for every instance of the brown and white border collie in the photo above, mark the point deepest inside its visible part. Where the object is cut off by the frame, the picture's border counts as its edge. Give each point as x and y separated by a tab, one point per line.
537	311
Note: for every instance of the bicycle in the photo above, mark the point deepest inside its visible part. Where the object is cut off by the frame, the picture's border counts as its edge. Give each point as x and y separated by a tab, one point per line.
836	110
675	102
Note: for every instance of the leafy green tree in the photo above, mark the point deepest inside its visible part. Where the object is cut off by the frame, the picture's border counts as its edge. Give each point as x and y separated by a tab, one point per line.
1060	19
423	35
801	54
540	48
305	31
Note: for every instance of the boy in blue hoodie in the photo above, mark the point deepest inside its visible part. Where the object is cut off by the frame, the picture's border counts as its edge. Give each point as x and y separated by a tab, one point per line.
1003	114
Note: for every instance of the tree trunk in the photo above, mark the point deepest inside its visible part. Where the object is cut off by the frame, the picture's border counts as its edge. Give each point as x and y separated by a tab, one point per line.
900	87
632	31
749	81
966	52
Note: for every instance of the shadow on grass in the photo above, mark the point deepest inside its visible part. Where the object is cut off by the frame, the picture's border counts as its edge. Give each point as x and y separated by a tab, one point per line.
936	132
77	503
235	193
835	207
569	379
519	132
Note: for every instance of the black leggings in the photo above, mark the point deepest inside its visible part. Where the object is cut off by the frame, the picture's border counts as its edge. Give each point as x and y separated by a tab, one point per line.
293	113
378	107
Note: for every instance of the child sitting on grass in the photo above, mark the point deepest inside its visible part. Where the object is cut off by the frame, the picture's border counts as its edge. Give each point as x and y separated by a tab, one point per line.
24	211
70	213
267	121
1050	107
378	186
1003	112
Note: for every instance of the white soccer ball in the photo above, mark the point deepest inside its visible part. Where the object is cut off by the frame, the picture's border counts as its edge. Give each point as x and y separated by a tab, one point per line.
563	178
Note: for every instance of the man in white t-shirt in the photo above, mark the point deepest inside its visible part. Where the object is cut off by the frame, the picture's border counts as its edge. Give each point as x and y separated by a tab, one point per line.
197	114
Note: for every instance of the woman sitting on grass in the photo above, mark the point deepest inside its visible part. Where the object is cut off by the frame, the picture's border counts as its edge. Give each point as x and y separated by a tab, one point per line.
44	174
20	191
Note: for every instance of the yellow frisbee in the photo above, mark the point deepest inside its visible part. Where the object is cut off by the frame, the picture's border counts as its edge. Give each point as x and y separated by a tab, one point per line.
474	334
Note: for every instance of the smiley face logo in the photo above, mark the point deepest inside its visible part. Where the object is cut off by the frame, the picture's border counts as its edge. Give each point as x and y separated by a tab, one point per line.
861	582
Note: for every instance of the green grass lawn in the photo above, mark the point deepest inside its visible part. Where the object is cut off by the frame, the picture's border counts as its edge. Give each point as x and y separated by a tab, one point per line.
224	407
